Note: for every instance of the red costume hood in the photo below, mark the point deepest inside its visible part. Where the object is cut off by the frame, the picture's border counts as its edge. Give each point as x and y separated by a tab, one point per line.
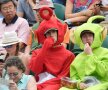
50	22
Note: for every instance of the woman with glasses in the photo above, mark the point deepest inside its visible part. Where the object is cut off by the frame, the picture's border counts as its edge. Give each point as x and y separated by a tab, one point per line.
11	43
18	80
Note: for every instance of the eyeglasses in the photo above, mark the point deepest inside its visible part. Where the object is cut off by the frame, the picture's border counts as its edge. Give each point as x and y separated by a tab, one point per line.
8	8
13	74
9	46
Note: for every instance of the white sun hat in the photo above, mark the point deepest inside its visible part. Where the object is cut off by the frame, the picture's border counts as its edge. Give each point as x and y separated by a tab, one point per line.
10	38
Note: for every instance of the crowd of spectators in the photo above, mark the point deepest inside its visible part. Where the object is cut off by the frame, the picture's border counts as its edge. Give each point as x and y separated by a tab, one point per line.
34	43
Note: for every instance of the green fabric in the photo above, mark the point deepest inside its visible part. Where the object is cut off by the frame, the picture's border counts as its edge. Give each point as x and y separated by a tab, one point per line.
64	88
103	86
91	65
95	28
34	41
35	26
95	64
76	50
93	18
59	11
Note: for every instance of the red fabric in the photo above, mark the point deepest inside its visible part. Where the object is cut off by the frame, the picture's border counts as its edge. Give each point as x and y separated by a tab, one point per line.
53	84
46	16
49	24
52	57
55	61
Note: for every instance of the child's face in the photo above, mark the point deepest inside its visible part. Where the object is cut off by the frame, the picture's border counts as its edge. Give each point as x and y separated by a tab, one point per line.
52	33
87	38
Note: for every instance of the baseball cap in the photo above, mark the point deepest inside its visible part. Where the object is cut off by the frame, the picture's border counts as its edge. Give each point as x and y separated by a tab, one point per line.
43	3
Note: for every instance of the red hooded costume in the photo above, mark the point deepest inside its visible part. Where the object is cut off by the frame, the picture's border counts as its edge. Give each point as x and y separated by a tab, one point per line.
52	60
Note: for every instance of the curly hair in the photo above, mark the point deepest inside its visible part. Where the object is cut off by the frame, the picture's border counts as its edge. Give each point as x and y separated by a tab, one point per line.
15	61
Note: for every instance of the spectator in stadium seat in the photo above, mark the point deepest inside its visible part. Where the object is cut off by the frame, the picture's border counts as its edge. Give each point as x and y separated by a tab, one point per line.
10	42
25	10
18	80
11	22
78	11
47	63
90	67
32	43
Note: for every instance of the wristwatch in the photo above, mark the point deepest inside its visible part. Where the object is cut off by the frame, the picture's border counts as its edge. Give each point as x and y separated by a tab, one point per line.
68	21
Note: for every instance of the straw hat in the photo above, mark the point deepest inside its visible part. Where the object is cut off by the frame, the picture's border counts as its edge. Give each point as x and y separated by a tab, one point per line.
43	3
10	38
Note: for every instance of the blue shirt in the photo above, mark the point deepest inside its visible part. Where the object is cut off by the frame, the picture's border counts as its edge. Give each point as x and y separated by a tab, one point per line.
24	7
22	84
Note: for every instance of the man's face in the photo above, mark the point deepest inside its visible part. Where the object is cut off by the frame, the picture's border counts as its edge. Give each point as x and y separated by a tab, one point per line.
87	38
38	17
8	10
52	33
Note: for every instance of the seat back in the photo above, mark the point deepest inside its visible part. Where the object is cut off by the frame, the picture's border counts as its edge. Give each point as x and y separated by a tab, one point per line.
76	50
59	11
105	42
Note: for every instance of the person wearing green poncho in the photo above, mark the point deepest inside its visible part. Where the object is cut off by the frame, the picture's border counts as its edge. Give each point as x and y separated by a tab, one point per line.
90	68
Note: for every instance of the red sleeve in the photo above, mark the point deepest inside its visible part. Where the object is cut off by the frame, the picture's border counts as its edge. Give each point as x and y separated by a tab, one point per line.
36	62
38	56
66	67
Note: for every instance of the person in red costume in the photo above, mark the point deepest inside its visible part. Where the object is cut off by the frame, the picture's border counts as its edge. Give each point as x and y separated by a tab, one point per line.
52	61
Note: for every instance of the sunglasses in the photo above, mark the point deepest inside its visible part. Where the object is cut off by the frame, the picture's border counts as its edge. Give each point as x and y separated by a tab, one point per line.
9	46
13	74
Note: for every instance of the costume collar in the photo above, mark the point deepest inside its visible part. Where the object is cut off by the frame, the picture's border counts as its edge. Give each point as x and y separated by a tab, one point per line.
12	22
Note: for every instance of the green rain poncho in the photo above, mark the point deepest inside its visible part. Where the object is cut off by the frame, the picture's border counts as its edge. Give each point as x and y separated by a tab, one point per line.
91	65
